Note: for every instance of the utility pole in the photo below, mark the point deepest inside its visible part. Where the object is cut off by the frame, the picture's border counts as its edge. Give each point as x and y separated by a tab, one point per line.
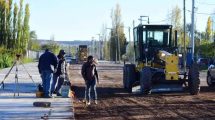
212	30
99	47
93	47
134	41
192	30
118	44
184	55
129	34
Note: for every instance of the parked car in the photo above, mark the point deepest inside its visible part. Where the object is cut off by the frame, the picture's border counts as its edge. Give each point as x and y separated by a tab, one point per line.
203	61
211	75
68	59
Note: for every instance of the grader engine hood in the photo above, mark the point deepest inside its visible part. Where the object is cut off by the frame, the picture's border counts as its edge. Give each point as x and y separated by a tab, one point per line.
171	65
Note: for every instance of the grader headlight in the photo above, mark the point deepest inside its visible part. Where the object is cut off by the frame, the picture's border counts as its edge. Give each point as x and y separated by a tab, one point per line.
163	55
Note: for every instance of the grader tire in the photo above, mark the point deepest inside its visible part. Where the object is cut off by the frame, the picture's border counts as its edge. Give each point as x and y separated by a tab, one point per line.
145	80
193	80
129	76
124	77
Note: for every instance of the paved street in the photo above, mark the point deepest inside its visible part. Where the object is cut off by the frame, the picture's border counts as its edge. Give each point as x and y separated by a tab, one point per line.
21	107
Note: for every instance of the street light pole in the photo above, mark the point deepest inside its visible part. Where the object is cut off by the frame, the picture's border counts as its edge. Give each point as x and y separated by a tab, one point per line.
142	19
134	42
119	55
93	47
184	56
213	40
192	32
99	47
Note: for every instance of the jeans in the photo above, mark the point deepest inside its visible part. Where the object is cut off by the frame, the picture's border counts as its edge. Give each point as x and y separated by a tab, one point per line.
59	81
46	79
90	85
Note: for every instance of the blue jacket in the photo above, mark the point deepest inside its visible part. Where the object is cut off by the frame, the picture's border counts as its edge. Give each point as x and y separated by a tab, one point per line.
46	60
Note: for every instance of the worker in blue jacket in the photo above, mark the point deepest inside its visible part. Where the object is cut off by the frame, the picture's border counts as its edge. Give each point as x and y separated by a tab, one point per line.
46	61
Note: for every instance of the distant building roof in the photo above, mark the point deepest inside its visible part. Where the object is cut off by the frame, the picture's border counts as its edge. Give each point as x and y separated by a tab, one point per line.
66	43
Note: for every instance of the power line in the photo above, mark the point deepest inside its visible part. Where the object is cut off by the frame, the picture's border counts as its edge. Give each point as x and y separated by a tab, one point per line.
168	18
204	3
161	20
201	13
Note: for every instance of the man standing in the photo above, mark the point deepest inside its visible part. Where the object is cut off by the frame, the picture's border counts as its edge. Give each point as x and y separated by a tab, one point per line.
59	76
90	75
46	60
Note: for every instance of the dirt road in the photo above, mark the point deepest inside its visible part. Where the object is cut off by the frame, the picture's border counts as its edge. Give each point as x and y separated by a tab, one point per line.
115	104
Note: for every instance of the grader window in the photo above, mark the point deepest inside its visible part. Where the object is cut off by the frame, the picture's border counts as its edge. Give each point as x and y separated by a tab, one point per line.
158	38
136	43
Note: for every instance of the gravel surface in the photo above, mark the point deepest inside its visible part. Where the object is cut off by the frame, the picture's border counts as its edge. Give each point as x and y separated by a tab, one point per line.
114	103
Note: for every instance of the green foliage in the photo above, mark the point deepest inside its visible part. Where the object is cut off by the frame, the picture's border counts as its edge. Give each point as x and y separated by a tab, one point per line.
27	60
106	50
33	44
181	40
6	58
209	29
19	25
5	61
206	49
176	18
129	56
14	30
113	46
26	28
117	39
73	50
54	47
15	12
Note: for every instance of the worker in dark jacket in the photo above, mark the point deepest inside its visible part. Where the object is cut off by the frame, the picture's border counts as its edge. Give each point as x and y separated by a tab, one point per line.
59	76
46	60
90	75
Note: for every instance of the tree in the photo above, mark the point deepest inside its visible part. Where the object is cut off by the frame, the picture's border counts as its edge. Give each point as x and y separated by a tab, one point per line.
33	44
118	41
176	23
26	28
209	29
181	40
206	49
176	18
105	43
15	12
19	25
3	23
52	46
8	24
106	50
130	52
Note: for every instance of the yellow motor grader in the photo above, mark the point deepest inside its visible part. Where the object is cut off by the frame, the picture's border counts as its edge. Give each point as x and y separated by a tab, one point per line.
156	65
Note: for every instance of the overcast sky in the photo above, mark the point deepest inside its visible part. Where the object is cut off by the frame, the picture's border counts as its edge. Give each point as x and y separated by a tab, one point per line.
83	19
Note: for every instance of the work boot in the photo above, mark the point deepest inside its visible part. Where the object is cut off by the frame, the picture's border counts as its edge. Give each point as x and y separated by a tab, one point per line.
96	102
47	96
87	103
58	94
84	101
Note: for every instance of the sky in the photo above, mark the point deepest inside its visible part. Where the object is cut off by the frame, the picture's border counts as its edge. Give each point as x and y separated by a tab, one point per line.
83	19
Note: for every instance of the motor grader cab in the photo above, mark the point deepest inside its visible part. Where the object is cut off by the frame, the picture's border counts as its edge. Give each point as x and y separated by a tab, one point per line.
157	62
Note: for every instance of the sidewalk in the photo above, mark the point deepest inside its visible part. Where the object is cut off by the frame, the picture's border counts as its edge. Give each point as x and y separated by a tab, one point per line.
21	107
